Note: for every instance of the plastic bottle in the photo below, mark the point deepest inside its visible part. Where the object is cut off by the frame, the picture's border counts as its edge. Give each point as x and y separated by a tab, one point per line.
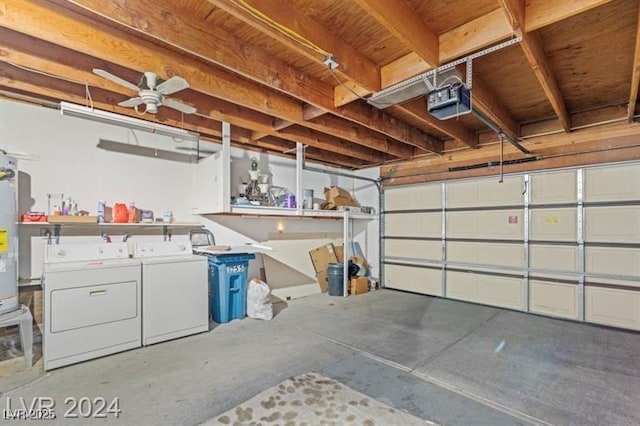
101	206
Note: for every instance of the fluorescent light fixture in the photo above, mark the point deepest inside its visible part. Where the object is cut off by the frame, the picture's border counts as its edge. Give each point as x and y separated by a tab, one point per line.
73	110
145	151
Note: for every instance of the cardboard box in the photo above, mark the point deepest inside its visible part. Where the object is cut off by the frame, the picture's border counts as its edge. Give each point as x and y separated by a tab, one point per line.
336	197
323	281
73	219
335	191
359	285
321	257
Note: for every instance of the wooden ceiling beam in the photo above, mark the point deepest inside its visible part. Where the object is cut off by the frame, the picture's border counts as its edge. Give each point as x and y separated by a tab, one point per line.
65	28
39	57
41	85
317	154
363	115
34	84
42	56
418	110
468	37
390	126
76	32
373	140
535	54
353	65
404	23
224	50
486	103
409	28
482	32
329	143
540	13
635	75
607	136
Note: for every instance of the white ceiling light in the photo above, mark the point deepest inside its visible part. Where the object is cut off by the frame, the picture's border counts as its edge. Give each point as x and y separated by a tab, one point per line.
73	110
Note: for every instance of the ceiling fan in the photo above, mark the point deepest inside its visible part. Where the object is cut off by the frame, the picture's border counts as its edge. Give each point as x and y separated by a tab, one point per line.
153	95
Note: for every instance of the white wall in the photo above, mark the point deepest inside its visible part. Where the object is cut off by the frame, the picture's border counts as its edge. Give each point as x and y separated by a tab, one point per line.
58	154
366	232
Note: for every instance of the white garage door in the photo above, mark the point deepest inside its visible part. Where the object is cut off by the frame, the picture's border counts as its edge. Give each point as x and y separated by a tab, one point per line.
562	243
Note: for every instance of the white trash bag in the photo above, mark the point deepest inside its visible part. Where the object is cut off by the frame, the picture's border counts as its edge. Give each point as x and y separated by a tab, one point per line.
258	300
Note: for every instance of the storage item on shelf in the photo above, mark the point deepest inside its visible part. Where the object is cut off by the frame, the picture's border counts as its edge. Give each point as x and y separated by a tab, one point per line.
33	217
73	219
307	198
336	197
120	213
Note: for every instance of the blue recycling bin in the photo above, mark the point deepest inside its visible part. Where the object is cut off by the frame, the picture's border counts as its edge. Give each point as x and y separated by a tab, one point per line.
228	286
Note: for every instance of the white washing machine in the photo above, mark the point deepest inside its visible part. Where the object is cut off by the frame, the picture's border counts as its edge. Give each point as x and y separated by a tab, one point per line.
175	288
92	302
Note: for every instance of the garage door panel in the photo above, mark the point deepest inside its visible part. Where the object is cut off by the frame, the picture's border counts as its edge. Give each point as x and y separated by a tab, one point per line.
500	291
413	198
619	224
493	224
553	188
554	225
556	299
419	280
485	193
553	258
490	254
614	183
414	224
462	286
613	260
613	306
427	250
484	288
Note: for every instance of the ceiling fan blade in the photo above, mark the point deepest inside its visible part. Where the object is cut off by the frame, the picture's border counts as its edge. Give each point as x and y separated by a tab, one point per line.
130	103
173	85
182	107
115	79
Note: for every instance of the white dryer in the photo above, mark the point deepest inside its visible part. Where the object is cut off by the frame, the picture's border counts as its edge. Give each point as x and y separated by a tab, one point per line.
92	302
175	288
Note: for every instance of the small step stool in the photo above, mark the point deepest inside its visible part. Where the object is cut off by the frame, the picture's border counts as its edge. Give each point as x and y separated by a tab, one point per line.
22	318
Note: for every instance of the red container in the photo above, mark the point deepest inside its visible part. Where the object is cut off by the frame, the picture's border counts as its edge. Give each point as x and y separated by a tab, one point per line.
33	217
120	213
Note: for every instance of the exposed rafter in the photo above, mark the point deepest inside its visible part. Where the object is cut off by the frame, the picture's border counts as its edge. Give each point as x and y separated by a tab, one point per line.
365	116
635	75
540	13
407	26
533	50
403	22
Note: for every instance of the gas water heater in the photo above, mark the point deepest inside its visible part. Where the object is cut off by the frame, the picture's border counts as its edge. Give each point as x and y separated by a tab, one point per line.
8	233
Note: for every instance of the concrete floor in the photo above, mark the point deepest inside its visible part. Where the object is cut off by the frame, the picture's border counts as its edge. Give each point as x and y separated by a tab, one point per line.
445	361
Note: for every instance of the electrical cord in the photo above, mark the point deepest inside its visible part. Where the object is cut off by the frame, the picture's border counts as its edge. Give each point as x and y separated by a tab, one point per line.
256	13
344	85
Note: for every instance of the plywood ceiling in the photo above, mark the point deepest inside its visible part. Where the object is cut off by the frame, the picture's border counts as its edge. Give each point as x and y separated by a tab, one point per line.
575	60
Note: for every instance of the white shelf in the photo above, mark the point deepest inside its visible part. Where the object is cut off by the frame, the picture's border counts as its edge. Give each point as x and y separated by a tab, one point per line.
115	225
293	213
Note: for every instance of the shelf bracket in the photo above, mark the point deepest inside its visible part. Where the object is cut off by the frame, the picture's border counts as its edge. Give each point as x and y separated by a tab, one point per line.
56	233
